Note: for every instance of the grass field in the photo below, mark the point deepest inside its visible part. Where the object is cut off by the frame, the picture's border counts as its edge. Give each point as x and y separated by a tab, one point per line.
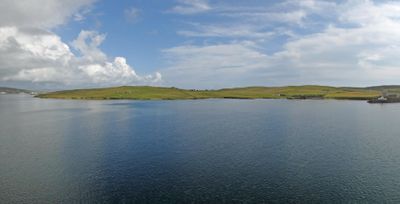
166	93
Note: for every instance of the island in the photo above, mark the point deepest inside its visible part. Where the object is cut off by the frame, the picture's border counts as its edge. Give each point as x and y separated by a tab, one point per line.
257	92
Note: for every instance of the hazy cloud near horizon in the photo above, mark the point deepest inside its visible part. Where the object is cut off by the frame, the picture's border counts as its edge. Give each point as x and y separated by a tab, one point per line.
353	42
205	44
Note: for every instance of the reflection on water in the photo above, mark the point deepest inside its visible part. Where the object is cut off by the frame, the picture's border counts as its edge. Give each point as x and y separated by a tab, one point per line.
224	151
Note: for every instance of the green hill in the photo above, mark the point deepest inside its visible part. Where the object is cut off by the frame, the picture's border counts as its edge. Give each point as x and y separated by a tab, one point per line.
166	93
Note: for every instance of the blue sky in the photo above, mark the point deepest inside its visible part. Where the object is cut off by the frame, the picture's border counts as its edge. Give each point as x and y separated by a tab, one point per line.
155	27
54	44
139	39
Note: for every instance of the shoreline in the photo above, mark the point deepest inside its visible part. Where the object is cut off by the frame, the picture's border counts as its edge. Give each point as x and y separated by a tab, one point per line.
306	92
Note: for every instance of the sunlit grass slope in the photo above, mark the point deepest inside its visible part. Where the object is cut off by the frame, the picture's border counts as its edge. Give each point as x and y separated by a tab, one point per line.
166	93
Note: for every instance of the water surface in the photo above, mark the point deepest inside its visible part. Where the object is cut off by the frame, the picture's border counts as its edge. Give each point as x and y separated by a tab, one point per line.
198	151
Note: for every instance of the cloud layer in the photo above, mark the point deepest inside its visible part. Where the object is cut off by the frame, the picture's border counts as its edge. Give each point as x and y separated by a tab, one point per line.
353	42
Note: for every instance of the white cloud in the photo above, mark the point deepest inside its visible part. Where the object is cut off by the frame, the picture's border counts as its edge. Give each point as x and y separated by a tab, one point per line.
292	17
223	31
90	50
43	57
185	7
31	52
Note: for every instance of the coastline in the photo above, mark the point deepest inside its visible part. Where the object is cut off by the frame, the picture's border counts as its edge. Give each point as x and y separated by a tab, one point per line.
307	92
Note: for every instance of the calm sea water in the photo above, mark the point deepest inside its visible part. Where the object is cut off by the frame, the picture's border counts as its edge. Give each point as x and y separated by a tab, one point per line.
203	151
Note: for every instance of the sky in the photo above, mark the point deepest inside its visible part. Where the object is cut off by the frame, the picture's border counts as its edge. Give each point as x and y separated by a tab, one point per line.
201	44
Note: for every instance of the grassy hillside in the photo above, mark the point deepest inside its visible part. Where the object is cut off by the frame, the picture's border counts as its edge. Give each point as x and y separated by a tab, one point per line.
164	93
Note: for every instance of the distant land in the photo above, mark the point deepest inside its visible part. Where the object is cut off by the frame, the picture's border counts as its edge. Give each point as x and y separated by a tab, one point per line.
8	90
172	93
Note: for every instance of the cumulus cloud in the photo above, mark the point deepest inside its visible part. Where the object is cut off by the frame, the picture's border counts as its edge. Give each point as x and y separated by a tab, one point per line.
43	57
31	52
88	43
